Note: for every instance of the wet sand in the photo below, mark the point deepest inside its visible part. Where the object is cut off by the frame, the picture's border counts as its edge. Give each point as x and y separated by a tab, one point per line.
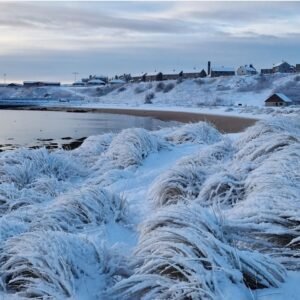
225	124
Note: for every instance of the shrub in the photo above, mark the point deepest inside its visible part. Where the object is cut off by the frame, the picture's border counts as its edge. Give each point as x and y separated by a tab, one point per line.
139	89
221	87
179	80
160	87
199	81
122	89
297	78
149	97
169	87
142	88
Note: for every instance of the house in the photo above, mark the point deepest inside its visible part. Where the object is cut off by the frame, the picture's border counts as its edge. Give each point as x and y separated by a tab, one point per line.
155	76
222	71
117	81
95	77
138	77
100	77
169	75
283	67
278	99
96	82
14	84
266	71
298	68
193	73
40	83
203	74
246	70
78	83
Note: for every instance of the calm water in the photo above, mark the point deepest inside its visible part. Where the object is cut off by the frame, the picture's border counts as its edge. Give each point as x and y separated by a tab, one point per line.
31	128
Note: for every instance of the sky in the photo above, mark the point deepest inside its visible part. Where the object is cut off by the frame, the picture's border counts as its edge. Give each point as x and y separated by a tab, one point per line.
51	40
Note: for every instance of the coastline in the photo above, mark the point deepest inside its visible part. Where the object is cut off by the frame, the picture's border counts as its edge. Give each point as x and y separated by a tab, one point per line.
225	124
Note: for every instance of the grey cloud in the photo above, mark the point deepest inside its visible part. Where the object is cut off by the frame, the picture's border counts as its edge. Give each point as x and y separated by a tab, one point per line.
68	18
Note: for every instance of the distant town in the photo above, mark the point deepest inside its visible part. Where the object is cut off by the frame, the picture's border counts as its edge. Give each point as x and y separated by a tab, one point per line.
211	71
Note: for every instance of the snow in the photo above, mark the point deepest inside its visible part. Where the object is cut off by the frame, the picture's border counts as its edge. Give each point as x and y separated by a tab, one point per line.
223	69
233	95
284	97
179	212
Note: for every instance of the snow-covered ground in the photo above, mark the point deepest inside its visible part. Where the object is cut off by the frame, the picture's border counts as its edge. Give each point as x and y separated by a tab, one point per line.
179	213
242	95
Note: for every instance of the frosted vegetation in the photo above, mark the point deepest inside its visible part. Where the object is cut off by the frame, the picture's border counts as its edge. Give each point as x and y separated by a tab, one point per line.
179	213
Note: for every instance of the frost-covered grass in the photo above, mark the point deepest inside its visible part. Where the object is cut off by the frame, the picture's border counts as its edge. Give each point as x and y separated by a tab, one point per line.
180	213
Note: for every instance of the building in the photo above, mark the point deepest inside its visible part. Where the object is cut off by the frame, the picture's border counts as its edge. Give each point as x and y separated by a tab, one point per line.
246	70
222	71
203	74
298	68
78	83
266	71
155	76
193	73
14	85
172	75
117	81
138	77
278	99
40	83
95	82
283	67
95	77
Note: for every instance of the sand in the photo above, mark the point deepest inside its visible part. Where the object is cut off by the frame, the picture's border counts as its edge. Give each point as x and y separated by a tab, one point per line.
225	124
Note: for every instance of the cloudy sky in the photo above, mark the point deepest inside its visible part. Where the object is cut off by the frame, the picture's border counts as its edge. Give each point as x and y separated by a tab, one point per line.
51	40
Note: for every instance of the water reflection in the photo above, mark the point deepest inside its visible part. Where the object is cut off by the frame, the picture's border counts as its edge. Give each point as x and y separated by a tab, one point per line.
31	128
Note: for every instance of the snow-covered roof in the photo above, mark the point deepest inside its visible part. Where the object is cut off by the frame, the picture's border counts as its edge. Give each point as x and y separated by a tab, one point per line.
117	81
284	97
280	63
40	81
78	83
222	69
191	71
248	68
172	72
138	75
96	81
153	73
99	77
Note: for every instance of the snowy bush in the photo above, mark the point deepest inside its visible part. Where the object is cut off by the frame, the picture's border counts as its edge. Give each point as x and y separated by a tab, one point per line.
201	133
131	146
168	87
24	166
261	82
159	87
297	78
222	190
142	87
199	81
50	265
91	149
183	254
179	184
221	88
75	210
149	97
122	89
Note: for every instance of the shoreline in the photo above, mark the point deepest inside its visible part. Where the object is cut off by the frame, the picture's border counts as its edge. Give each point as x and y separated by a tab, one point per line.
225	124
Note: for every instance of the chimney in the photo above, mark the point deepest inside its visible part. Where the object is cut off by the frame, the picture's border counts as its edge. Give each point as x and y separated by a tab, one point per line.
208	68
